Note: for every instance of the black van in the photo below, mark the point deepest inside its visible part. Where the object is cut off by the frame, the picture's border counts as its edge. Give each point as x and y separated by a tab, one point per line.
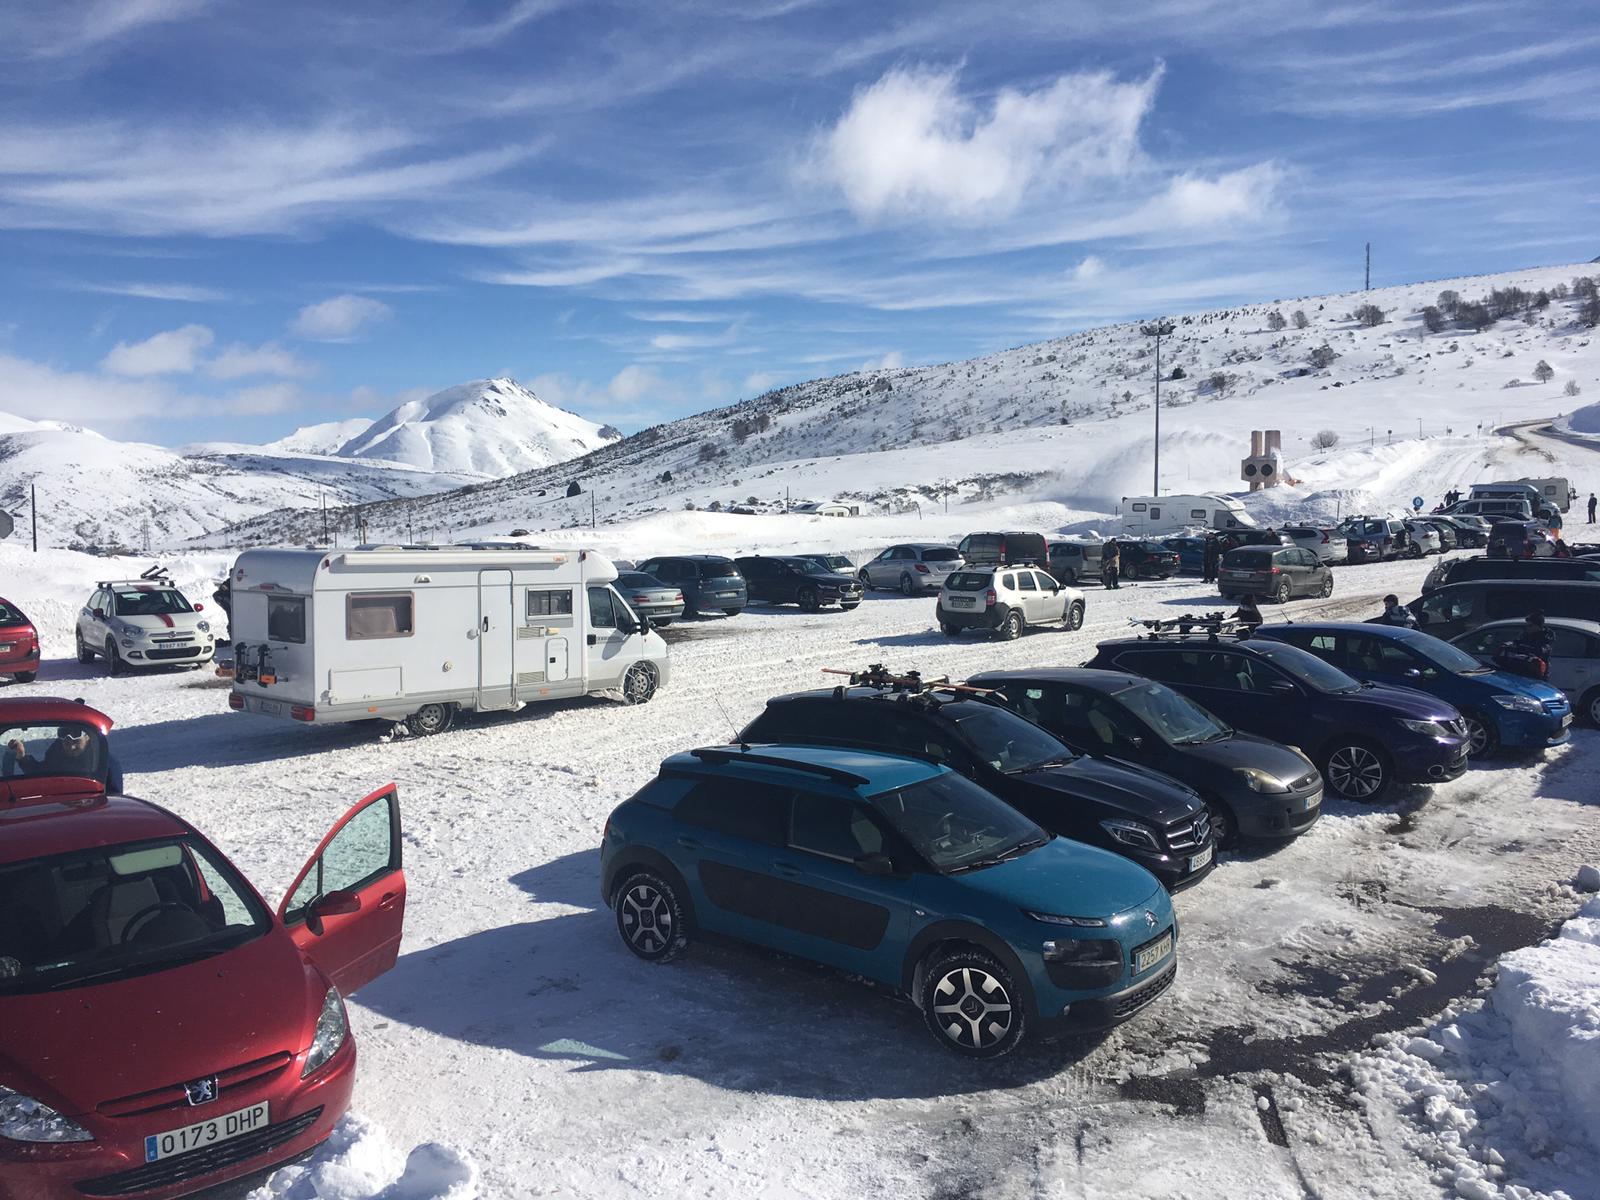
1005	549
1461	607
1465	570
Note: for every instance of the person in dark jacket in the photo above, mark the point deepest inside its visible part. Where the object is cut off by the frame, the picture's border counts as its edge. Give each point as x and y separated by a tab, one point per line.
1247	614
1395	613
1213	557
1591	508
75	751
1110	564
1533	637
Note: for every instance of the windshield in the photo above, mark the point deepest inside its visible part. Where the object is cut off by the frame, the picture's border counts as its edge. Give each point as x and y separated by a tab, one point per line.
10	616
1004	740
150	602
834	562
1444	656
1367	528
804	565
1307	668
116	911
60	748
956	825
1178	720
968	581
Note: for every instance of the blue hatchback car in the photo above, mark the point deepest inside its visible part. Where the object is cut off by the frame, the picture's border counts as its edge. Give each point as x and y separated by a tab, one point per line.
1501	710
898	870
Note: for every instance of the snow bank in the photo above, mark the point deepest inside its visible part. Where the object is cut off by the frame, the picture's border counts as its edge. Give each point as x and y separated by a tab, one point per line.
1502	1095
358	1162
1585	420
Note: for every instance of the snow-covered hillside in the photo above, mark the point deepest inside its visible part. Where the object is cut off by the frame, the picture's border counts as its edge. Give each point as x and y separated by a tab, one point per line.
1070	420
323	438
489	427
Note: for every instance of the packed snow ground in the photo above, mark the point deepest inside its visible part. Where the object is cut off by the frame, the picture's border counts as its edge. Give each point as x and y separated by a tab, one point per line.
523	1051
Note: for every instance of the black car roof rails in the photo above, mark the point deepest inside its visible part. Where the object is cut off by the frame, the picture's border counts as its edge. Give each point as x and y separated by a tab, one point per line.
910	684
1212	624
715	754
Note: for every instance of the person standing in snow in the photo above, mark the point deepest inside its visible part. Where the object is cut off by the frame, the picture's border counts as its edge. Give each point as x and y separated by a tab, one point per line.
1110	564
1213	556
1248	614
1591	508
1395	613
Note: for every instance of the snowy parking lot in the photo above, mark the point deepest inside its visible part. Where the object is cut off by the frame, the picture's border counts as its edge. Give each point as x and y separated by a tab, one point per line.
519	1032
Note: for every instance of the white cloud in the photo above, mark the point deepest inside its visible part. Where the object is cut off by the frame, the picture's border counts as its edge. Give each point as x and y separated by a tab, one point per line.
338	319
1193	200
636	395
238	360
155	291
175	352
694	341
264	398
1091	268
911	143
892	361
760	381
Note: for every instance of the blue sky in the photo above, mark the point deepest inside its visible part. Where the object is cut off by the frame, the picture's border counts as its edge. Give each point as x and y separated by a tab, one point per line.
221	220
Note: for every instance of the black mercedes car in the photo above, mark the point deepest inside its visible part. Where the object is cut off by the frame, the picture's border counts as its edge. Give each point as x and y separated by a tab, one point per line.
1140	814
790	579
1255	788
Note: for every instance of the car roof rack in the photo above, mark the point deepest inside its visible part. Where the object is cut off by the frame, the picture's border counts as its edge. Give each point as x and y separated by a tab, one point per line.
716	754
1211	625
911	684
156	576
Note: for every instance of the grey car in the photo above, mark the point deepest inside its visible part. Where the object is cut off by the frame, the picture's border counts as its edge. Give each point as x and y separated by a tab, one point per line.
911	567
707	581
649	597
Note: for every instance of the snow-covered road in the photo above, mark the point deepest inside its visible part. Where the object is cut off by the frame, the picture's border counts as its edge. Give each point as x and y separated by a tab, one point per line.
518	1029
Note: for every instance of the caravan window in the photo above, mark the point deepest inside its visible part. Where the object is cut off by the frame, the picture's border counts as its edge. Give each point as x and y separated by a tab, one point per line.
602	612
377	615
1138	508
1197	514
550	604
286	619
1155	512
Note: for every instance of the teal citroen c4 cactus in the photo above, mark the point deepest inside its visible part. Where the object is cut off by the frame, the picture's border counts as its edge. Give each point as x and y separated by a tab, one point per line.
895	869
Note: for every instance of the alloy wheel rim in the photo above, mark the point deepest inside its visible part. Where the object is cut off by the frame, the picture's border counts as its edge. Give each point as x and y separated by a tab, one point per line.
646	919
1355	771
973	1008
1477	736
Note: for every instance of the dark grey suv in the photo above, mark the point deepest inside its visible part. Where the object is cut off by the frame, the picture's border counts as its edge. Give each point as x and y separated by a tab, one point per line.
707	581
1277	573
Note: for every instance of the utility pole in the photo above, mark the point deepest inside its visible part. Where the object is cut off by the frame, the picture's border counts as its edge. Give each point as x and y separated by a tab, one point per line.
324	516
1367	286
591	509
1157	330
33	502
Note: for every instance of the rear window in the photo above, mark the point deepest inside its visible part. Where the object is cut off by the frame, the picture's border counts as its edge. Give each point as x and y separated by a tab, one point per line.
968	581
941	554
713	568
286	619
10	616
1251	558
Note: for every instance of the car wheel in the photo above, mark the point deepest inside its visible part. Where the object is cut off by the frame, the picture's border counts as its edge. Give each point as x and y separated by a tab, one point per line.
114	663
949	630
908	586
1074	616
1327	586
1483	740
1281	596
1357	771
972	1005
848	607
866	580
651	917
732	612
26	676
661	622
85	655
1588	708
431	719
808	600
639	684
1223	826
1011	626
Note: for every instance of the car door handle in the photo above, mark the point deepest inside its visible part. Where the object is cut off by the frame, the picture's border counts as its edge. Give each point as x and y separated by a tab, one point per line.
486	624
786	869
594	640
389	899
689	843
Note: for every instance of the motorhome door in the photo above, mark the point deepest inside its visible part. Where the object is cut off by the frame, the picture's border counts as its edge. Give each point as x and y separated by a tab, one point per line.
496	631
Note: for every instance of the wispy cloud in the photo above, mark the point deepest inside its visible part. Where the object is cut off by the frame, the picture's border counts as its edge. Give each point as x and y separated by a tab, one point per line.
239	361
339	318
174	352
156	291
54	31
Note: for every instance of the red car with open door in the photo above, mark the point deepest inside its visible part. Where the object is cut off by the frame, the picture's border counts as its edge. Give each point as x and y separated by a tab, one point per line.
19	644
161	1029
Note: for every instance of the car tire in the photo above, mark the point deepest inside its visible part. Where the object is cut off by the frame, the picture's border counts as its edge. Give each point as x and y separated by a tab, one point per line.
1327	586
1074	616
431	719
651	917
639	683
732	612
848	607
972	1005
1483	740
25	676
85	654
1281	596
1011	626
866	580
807	599
949	630
908	585
1357	770
1224	826
114	663
661	622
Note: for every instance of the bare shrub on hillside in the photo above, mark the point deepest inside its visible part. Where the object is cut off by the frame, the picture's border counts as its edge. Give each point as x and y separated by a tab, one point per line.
1276	320
1369	315
1572	388
1326	439
1474	316
1300	318
1322	357
1544	372
1433	318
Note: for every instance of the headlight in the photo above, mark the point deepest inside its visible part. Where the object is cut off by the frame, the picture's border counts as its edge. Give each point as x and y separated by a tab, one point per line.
1259	781
1053	919
203	626
24	1119
1431	728
1081	950
1519	703
1131	833
332	1028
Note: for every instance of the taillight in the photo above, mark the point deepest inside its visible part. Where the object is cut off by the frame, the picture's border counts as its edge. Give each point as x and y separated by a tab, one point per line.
922	568
1324	539
989	598
641	599
235	700
677	597
1275	571
301	712
605	834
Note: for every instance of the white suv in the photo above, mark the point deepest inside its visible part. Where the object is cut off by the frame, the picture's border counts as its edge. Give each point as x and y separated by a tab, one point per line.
143	622
1006	600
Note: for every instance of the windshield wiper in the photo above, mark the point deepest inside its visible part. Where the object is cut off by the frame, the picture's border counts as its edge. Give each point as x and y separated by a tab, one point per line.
1044	764
138	966
1016	851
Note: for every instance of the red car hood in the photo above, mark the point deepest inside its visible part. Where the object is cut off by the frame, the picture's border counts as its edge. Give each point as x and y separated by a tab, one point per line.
78	1048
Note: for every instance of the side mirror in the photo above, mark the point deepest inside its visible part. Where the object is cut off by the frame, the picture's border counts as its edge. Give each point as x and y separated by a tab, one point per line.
1282	687
1412	673
878	865
334	904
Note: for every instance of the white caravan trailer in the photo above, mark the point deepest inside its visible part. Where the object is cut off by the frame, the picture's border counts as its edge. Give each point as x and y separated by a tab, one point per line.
1151	516
414	633
1554	490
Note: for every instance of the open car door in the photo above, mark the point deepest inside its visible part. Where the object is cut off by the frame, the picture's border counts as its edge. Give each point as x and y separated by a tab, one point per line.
347	906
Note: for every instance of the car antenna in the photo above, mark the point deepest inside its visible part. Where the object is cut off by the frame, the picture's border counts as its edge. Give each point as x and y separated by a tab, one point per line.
737	740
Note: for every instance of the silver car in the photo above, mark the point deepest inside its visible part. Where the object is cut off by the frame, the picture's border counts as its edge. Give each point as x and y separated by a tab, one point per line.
911	567
649	597
1574	657
1328	544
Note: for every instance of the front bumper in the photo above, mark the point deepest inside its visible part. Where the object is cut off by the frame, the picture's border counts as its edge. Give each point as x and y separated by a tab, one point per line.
1173	870
299	1119
1433	761
1535	731
1059	1014
1279	817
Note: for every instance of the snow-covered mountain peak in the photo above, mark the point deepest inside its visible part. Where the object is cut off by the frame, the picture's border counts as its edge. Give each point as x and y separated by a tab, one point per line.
488	427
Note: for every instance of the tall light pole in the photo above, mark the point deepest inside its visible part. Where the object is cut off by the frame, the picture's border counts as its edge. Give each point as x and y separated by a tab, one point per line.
1157	330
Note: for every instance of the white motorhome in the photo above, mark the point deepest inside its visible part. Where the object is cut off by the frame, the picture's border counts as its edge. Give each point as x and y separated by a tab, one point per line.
1554	490
1150	516
415	633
